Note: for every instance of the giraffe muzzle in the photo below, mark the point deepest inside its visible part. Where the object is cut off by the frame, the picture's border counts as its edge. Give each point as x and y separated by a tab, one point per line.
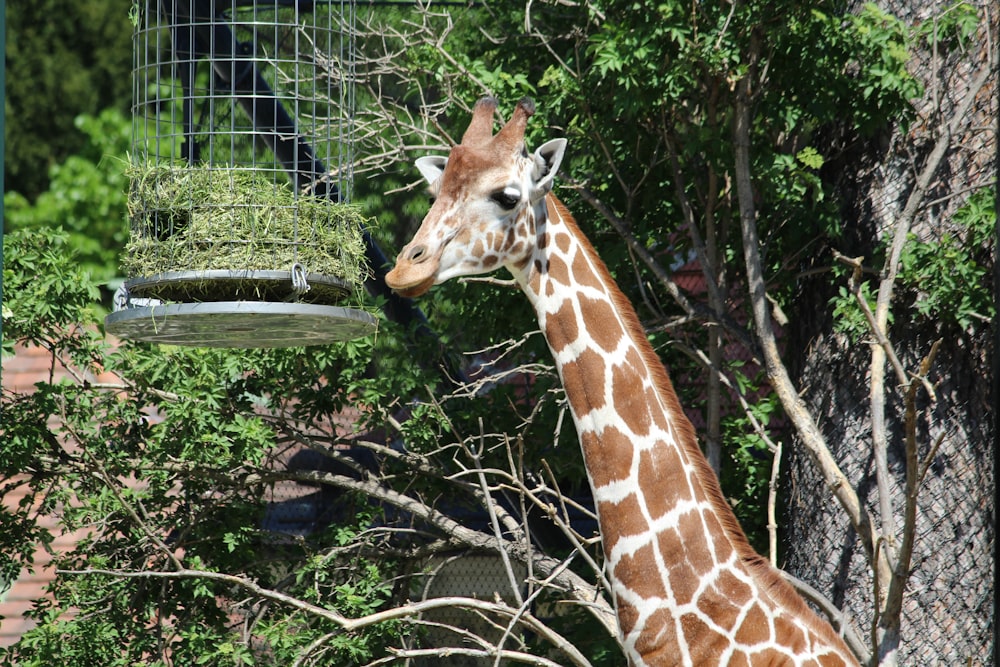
414	272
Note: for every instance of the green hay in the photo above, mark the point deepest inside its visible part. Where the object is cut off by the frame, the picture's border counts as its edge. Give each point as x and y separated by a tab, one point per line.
202	219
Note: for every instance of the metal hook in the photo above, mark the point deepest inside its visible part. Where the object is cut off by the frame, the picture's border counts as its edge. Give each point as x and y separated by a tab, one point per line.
121	299
299	283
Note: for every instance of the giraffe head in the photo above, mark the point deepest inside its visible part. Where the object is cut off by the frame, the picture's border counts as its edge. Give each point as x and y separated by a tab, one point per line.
488	193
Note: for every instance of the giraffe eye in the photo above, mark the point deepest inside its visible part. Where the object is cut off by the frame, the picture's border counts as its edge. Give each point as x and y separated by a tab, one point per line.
506	198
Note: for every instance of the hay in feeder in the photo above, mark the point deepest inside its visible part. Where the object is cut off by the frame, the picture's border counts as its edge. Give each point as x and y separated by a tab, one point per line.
196	219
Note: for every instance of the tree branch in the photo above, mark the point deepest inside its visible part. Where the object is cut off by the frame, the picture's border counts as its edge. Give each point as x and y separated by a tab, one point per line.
890	618
345	623
795	407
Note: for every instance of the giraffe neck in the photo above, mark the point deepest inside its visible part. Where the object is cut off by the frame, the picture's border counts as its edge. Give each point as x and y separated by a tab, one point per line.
684	579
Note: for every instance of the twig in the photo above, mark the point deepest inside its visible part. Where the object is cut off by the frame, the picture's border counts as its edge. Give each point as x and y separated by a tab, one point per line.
772	502
840	621
345	623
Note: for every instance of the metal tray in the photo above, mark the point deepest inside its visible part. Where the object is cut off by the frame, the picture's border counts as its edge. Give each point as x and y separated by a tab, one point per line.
238	324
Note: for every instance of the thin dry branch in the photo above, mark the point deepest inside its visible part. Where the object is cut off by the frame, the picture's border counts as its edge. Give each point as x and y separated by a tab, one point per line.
896	549
568	581
777	373
345	623
803	421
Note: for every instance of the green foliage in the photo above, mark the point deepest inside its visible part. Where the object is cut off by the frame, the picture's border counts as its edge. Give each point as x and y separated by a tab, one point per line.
747	475
946	279
200	428
44	287
949	278
848	316
952	27
64	60
86	196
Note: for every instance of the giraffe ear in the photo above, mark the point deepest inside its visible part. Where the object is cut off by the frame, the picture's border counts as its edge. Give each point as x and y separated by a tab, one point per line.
431	167
547	160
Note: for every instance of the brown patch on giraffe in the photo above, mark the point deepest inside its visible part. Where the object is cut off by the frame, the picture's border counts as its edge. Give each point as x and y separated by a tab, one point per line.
608	456
602	323
663	422
702	638
754	628
832	660
463	236
583	380
683	581
693	536
659	648
622	518
629	399
640	573
634	361
739	659
721	542
792	636
720	609
558	270
733	589
561	327
670	545
563	242
770	656
627	616
583	274
662	478
490	261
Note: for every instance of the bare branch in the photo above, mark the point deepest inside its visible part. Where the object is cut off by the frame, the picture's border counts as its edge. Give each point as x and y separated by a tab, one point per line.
343	622
805	425
890	618
772	502
840	621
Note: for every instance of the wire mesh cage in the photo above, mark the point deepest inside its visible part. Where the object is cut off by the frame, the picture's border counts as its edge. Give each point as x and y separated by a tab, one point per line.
241	229
481	576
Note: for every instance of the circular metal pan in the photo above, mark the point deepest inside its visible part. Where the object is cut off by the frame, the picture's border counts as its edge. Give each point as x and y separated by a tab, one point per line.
228	285
240	324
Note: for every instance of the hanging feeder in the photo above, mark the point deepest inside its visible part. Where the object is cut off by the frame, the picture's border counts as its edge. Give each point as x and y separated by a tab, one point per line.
241	230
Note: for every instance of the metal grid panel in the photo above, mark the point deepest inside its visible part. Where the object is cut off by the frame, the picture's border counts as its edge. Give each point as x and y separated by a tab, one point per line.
482	576
242	115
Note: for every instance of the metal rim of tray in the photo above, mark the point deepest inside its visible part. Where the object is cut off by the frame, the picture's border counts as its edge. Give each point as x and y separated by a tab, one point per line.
239	324
276	285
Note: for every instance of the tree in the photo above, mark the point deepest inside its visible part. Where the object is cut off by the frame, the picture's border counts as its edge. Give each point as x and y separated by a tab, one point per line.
918	202
64	59
173	473
86	196
659	99
722	134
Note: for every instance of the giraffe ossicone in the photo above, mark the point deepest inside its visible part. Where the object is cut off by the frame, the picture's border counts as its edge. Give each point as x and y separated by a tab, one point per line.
688	589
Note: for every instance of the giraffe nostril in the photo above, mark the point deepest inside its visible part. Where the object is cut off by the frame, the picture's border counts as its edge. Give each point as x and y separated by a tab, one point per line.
417	254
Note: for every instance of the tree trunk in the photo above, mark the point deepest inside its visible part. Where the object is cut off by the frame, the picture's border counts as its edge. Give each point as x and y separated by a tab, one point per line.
947	607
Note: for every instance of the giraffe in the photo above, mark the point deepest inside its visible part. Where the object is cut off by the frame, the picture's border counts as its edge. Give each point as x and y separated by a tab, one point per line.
688	589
